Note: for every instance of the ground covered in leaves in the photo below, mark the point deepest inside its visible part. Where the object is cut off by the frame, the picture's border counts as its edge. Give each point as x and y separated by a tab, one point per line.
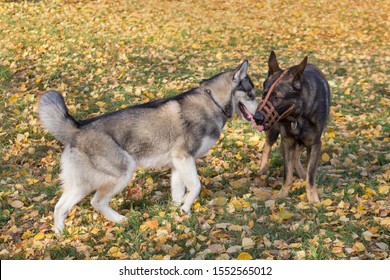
104	55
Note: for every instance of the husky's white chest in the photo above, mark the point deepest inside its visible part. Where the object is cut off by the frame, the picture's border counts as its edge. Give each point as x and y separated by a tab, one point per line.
206	144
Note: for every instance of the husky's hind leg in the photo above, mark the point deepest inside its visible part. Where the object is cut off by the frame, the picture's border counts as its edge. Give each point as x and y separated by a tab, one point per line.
186	169
71	196
177	188
104	193
74	188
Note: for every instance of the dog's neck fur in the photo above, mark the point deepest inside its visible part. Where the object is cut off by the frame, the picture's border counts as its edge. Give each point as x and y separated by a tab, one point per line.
221	94
210	94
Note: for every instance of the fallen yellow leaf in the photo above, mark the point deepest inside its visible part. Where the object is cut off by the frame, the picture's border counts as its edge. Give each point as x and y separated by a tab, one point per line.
325	157
254	140
386	222
337	250
26	234
327	202
244	256
358	247
115	252
331	135
175	250
367	235
39	236
285	215
149	181
149	224
383	189
48	178
13	99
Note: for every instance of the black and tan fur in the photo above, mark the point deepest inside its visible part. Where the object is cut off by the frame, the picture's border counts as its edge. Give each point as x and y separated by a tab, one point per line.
306	88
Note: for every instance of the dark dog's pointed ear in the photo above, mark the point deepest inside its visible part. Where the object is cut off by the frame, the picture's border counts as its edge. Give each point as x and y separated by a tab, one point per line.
298	73
240	71
301	67
273	65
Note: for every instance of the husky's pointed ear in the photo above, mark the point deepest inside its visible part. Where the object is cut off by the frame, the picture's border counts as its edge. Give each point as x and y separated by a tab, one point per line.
298	73
273	65
240	72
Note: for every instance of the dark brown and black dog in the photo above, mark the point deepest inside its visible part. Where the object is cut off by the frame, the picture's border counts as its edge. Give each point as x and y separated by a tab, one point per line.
295	105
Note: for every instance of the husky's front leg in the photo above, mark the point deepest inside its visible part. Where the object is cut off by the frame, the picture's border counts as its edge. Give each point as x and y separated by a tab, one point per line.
186	169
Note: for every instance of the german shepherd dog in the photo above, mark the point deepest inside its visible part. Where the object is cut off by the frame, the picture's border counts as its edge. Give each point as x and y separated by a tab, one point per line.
296	105
102	153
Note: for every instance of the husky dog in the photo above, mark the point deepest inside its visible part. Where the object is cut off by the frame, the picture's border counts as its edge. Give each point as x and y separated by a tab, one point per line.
102	153
295	104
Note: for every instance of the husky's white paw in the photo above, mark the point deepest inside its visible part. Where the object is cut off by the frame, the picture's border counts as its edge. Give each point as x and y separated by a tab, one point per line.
177	203
186	210
58	230
118	218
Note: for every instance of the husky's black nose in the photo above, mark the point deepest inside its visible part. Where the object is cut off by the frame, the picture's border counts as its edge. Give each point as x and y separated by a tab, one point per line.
258	117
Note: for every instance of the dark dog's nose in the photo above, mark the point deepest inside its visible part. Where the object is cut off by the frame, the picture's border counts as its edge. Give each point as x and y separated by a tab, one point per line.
258	117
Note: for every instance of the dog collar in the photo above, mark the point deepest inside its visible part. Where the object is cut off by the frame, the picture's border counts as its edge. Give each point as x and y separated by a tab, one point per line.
216	102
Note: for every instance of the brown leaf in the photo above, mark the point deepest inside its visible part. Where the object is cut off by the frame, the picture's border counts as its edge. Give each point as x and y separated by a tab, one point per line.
262	194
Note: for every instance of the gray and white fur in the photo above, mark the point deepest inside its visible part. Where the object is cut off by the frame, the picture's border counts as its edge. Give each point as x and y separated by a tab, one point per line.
101	153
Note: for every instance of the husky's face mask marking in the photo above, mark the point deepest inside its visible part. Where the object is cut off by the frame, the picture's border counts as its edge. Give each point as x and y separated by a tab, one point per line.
244	100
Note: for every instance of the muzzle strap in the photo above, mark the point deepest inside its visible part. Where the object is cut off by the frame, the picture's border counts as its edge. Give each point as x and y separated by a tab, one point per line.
271	116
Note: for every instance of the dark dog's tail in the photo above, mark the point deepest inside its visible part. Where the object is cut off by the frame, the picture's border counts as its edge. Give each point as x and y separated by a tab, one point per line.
54	116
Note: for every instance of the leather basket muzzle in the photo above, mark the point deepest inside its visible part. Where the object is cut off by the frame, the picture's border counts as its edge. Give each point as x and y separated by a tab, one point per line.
266	115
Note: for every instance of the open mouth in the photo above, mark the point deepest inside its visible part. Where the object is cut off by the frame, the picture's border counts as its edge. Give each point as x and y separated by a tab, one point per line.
248	116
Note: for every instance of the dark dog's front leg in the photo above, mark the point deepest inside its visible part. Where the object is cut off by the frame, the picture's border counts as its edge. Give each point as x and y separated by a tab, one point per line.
288	151
297	162
271	138
314	153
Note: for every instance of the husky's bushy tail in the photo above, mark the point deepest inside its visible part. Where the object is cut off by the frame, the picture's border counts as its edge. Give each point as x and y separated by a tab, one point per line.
54	116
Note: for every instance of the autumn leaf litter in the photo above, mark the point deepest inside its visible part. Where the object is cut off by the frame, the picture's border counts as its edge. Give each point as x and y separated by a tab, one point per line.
104	57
